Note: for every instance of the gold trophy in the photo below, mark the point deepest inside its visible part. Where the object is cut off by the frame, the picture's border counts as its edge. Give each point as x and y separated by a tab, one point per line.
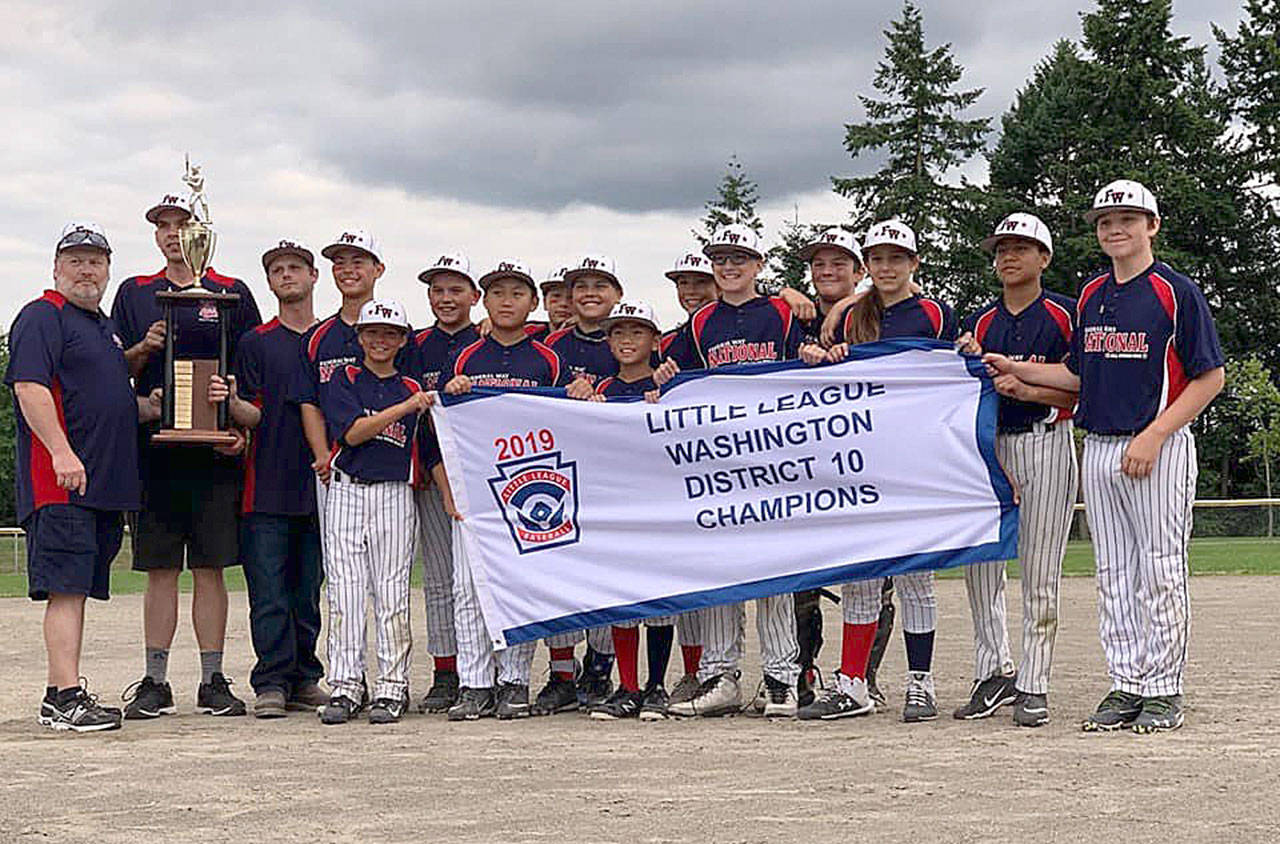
186	415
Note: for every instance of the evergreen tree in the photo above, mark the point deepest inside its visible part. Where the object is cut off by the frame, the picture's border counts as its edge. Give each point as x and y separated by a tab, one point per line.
916	125
784	267
735	203
1251	63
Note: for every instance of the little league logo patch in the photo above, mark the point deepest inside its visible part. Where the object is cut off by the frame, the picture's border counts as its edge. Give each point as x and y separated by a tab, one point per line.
538	498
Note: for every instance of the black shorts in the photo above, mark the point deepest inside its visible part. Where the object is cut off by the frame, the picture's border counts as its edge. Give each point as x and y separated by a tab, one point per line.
200	517
70	549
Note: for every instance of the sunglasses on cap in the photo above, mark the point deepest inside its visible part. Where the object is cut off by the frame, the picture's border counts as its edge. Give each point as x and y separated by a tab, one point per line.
84	237
735	259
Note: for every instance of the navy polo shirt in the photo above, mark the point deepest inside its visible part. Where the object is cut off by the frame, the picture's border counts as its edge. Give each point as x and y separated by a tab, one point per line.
760	329
584	354
391	455
1040	332
277	472
614	387
79	356
915	316
489	363
1137	345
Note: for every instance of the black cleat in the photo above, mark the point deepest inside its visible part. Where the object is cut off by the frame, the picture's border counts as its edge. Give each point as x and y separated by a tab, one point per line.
215	698
623	703
472	705
513	701
339	710
655	703
148	699
987	696
1117	711
593	689
1159	715
442	694
387	710
1031	710
558	695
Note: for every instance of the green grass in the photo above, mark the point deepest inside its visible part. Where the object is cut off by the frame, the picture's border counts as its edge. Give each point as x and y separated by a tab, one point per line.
1211	555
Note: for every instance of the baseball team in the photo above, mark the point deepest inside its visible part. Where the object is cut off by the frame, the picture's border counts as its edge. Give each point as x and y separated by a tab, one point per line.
335	479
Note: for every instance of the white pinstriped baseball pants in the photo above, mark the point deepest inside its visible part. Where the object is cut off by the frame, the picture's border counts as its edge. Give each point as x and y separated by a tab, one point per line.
861	601
478	663
1043	465
1141	527
369	536
724	633
689	628
436	542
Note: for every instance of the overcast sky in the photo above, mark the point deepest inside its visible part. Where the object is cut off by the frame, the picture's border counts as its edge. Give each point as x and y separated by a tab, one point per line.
539	131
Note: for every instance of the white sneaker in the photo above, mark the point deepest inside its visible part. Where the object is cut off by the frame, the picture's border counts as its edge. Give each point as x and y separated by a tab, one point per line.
721	695
781	700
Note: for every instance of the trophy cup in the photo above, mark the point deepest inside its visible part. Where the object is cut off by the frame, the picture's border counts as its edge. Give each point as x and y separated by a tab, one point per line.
186	415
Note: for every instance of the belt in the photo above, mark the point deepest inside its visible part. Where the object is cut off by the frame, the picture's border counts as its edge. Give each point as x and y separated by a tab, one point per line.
1034	427
344	478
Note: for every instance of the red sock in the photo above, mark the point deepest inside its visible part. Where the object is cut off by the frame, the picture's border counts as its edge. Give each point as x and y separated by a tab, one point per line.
855	650
561	657
447	663
692	655
626	645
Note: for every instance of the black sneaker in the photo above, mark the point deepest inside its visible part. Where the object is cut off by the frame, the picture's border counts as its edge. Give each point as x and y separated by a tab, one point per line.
215	698
513	701
655	703
442	694
558	695
339	710
472	705
1159	714
623	703
847	698
387	710
1117	711
148	699
80	714
593	689
987	696
1031	710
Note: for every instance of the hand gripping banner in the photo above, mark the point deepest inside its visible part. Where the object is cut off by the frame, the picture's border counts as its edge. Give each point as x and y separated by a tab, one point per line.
741	482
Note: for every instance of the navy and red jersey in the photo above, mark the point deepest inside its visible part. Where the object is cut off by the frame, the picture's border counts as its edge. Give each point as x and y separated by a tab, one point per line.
1040	332
614	387
277	472
78	355
676	344
327	347
584	354
1136	346
392	455
195	328
760	329
432	348
538	330
489	363
915	316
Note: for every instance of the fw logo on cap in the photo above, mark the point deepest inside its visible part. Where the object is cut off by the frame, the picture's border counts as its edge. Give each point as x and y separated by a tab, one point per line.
889	232
170	199
349	237
381	310
1117	197
507	267
445	261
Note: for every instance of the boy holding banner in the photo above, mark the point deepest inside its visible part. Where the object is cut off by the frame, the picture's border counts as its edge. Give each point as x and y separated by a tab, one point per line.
741	327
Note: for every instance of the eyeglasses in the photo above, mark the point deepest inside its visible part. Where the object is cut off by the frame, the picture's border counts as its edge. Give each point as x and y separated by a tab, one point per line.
736	259
83	237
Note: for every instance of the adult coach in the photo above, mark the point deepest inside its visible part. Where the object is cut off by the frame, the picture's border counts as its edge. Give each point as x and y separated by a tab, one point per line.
1146	361
1036	448
190	493
77	460
280	536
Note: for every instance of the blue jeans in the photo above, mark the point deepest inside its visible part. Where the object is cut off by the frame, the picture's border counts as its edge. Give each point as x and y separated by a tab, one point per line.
281	559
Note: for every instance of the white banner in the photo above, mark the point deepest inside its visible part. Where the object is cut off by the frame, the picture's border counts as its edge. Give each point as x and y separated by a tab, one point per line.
741	482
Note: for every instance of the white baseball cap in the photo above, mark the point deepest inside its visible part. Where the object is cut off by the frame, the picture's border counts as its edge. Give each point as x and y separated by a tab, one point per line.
382	312
357	239
449	262
833	238
1027	226
690	262
82	233
554	278
632	312
1122	194
890	233
288	246
168	202
734	238
592	263
509	268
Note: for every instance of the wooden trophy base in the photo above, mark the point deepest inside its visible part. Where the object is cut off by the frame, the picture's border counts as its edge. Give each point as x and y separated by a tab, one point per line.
195	419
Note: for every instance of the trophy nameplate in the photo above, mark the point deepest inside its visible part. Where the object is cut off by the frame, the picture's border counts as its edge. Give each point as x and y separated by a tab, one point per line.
186	414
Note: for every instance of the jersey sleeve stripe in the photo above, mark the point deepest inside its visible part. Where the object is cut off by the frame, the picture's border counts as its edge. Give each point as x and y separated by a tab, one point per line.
983	325
1060	316
464	355
934	312
313	345
553	359
1088	290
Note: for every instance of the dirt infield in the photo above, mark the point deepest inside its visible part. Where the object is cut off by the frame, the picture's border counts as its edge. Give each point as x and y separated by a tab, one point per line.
195	778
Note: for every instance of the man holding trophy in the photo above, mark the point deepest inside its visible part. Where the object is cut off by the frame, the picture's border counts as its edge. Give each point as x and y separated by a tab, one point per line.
179	327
